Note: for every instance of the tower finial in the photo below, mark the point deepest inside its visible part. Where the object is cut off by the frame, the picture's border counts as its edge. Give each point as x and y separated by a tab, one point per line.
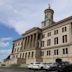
49	4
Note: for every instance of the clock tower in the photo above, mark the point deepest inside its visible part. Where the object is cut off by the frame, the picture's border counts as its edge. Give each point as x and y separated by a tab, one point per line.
48	20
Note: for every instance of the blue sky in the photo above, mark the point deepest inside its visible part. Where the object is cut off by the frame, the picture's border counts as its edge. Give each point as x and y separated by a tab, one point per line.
17	16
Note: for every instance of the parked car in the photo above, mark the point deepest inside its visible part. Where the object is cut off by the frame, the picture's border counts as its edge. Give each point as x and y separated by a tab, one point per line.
30	66
67	68
47	65
37	65
58	67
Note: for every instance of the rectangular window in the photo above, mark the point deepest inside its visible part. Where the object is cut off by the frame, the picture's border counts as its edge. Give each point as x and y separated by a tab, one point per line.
42	53
48	42
42	43
32	54
22	55
48	53
28	54
56	40
64	29
49	34
55	32
64	39
43	36
56	52
65	51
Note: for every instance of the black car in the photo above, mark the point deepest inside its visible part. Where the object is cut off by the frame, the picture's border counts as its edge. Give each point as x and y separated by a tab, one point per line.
67	68
58	67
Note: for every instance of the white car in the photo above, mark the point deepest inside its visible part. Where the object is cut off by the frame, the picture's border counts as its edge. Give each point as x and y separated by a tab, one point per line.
37	65
30	66
47	65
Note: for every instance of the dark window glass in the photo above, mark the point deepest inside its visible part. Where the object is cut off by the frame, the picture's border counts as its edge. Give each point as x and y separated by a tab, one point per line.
64	29
64	38
55	32
56	52
56	40
42	43
48	42
49	34
32	54
48	53
65	51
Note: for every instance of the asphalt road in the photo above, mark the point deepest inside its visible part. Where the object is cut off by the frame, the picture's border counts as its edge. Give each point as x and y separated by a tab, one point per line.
19	70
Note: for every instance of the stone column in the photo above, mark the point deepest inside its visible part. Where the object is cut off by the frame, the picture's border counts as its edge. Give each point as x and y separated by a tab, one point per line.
36	40
22	44
33	40
29	46
28	41
25	42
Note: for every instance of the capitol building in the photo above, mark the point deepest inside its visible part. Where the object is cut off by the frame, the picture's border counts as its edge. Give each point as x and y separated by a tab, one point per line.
46	44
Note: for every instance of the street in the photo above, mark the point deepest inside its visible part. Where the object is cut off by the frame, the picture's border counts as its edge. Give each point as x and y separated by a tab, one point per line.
19	70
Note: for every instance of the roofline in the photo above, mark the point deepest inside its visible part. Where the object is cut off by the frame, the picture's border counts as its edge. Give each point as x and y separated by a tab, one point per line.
65	19
31	30
17	39
59	22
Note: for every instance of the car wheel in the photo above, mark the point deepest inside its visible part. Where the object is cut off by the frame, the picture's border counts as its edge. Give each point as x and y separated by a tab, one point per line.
41	67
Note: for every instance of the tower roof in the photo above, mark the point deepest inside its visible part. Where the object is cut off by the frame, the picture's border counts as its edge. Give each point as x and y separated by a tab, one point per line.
49	10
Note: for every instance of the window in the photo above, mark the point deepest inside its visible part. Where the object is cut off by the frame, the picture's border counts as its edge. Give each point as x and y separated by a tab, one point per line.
42	53
23	55
56	40
18	50
32	54
48	42
55	32
56	52
42	43
28	54
49	34
43	36
48	53
65	51
64	39
64	29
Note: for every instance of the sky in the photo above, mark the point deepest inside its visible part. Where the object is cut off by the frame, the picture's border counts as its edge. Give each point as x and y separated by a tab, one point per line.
17	16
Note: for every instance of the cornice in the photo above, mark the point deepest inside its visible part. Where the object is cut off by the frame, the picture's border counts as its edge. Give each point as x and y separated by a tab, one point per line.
57	23
31	30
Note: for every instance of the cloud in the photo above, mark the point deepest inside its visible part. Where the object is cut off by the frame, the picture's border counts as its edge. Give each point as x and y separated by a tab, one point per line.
22	15
4	50
4	42
4	54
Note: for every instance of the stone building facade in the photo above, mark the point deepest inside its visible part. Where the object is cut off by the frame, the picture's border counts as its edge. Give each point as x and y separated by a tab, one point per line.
53	40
